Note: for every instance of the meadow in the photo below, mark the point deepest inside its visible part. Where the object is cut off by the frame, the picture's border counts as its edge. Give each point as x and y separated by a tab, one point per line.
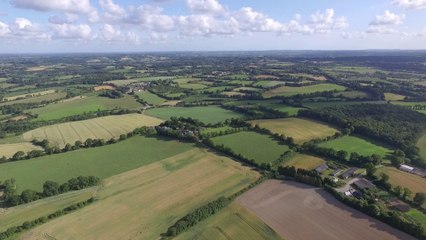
261	148
76	106
96	128
304	161
301	130
355	144
143	203
291	91
209	114
150	98
233	222
102	162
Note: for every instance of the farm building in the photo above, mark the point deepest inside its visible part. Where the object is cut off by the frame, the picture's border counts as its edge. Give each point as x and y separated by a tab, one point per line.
336	172
321	168
364	184
406	168
349	173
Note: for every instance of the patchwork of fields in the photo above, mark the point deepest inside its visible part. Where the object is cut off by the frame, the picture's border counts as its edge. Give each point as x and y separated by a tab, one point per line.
301	130
143	203
97	128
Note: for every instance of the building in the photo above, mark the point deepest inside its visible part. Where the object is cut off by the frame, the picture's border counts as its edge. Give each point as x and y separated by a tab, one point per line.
406	168
349	173
321	168
363	183
336	172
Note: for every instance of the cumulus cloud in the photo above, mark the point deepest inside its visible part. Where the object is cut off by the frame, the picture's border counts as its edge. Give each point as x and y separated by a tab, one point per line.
66	18
72	31
73	6
109	33
205	6
324	22
4	29
151	18
411	4
380	29
388	18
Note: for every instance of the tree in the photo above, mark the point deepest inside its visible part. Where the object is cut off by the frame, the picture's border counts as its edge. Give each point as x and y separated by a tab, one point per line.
398	191
371	170
18	155
29	196
50	188
407	193
419	199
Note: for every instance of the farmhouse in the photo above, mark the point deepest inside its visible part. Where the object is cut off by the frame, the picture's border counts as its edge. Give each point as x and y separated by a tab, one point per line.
349	173
363	184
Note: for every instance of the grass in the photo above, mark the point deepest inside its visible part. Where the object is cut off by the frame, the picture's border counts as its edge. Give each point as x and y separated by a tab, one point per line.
355	144
290	91
124	82
151	98
37	99
102	162
418	216
274	104
83	105
399	178
421	144
209	114
8	150
29	95
193	86
304	161
353	94
233	222
143	203
268	84
394	97
261	148
301	130
97	128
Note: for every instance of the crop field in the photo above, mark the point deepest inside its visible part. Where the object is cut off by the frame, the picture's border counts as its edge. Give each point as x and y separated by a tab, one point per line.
261	148
102	162
301	130
354	144
304	161
143	203
8	150
233	222
151	98
16	216
124	82
83	105
394	97
298	211
29	95
209	114
97	128
290	91
268	84
309	76
37	99
400	178
193	86
103	87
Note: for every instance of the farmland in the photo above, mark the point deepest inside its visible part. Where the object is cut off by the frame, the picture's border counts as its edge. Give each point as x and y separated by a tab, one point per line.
260	148
304	161
301	130
8	150
399	178
151	98
290	91
233	222
144	202
96	128
298	211
37	99
139	151
355	144
394	97
210	114
421	144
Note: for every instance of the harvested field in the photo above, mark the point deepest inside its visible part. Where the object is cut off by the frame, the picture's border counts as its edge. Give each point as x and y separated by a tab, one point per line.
291	91
304	161
301	130
37	99
266	77
399	178
143	203
29	95
394	97
297	211
96	128
103	87
8	150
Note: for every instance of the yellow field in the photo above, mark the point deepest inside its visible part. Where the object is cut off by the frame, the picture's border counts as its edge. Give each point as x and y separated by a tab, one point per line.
394	97
36	94
399	178
8	150
103	87
304	161
301	130
233	222
143	203
97	128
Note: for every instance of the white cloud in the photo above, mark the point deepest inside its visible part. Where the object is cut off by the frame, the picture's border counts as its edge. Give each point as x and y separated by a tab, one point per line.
73	6
151	18
109	33
206	25
250	20
205	6
23	28
326	21
411	4
380	29
4	29
67	18
388	18
72	31
111	7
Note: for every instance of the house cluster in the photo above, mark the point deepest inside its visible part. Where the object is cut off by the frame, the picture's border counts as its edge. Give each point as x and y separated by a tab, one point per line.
358	186
137	87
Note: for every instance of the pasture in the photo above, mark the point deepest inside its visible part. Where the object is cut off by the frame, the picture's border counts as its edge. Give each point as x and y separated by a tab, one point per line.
96	128
8	150
298	211
400	178
355	144
102	162
83	105
261	148
421	144
209	114
418	216
394	97
233	222
290	91
301	130
150	98
143	203
304	161
268	84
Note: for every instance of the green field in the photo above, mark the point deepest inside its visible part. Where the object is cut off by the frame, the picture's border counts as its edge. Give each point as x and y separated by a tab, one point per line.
151	98
193	86
261	148
268	84
355	144
124	82
301	130
290	91
210	114
80	105
233	222
352	94
421	144
304	161
417	215
102	162
37	99
96	128
394	97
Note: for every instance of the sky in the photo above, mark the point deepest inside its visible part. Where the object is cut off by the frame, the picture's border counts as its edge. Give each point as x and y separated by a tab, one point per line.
54	26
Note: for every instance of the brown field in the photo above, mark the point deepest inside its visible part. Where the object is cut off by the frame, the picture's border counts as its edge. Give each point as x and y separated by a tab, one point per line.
394	97
304	161
266	77
171	103
103	87
297	211
8	150
399	178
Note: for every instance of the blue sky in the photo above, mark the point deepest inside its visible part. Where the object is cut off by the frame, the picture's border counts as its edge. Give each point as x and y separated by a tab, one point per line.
209	25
